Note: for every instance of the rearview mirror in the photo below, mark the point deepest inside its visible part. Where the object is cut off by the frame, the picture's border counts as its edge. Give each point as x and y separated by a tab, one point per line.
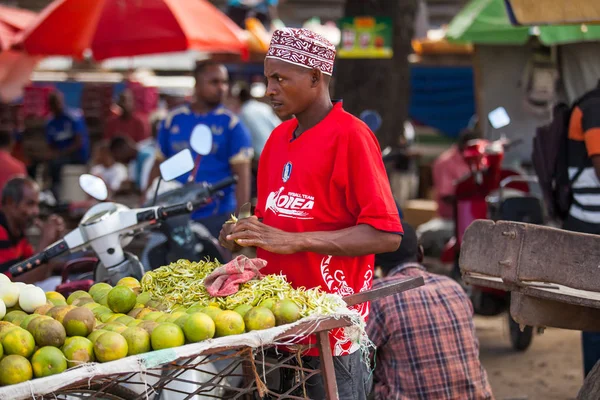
201	140
499	118
176	166
93	186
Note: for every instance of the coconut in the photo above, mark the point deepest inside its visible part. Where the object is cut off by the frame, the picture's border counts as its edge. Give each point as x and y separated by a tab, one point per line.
31	298
9	294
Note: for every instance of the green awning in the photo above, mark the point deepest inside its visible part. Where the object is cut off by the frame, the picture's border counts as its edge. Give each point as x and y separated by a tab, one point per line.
487	22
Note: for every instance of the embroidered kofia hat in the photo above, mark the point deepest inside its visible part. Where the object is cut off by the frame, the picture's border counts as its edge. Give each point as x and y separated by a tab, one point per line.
304	48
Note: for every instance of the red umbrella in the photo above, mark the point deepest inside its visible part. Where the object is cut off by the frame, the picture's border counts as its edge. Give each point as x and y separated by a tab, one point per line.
12	20
123	28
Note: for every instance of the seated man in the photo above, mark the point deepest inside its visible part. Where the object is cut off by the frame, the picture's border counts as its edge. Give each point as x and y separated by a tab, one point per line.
20	210
67	137
142	161
425	337
128	123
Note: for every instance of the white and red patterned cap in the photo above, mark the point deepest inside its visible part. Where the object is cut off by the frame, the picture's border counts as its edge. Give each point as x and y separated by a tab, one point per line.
304	48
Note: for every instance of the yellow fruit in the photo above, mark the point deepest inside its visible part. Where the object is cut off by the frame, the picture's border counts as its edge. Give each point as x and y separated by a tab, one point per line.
268	303
15	316
138	340
180	322
125	319
143	312
99	287
82	301
75	295
35	322
114	317
60	315
131	283
174	316
43	309
196	308
114	327
1	351
19	342
25	323
199	327
110	346
94	335
259	318
5	328
100	296
212	311
148	326
153	316
101	310
78	350
79	322
167	335
229	323
48	361
49	333
242	309
135	311
144	298
14	369
121	299
162	318
135	322
286	312
56	298
91	306
104	317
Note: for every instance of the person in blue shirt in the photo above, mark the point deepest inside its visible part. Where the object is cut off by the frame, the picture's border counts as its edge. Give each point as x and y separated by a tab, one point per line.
263	10
232	151
67	136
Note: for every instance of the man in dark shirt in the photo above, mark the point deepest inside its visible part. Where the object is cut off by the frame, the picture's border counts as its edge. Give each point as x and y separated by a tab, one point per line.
20	210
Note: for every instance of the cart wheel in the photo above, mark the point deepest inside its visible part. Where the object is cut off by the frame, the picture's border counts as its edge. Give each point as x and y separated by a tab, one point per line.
520	340
97	391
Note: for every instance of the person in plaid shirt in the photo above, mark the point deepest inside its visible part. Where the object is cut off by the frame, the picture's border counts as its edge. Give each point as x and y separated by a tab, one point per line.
425	337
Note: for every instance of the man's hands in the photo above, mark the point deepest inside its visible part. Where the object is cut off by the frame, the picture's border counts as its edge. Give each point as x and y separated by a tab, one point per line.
249	232
52	230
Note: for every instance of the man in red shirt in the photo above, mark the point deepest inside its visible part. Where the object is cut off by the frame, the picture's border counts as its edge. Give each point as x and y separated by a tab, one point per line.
20	209
128	123
324	201
11	167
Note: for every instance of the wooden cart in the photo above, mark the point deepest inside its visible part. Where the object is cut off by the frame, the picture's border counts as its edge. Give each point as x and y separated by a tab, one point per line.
173	373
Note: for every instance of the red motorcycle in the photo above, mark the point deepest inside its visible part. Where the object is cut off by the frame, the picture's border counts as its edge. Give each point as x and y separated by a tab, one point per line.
489	191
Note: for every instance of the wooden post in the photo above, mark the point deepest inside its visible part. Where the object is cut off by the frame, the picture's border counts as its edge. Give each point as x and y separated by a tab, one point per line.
327	371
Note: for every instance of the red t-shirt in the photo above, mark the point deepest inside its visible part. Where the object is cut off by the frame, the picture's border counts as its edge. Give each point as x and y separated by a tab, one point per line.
330	178
134	127
11	167
13	249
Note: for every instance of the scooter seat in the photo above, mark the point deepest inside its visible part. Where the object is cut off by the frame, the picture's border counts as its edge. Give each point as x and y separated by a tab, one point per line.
527	209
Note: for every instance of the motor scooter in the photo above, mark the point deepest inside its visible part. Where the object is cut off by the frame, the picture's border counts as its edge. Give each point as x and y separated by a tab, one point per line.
108	227
490	191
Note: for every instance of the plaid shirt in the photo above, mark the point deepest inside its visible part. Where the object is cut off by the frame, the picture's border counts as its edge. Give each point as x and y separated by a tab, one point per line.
426	344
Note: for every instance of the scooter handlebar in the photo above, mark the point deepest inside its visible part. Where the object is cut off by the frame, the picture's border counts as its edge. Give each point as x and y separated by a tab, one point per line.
38	259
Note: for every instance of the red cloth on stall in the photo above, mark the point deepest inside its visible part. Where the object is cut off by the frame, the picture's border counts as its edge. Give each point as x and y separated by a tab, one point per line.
226	279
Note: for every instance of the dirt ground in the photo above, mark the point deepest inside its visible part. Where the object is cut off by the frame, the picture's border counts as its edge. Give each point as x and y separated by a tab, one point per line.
551	369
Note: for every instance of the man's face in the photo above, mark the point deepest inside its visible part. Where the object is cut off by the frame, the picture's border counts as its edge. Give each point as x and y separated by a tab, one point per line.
28	209
212	84
289	87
